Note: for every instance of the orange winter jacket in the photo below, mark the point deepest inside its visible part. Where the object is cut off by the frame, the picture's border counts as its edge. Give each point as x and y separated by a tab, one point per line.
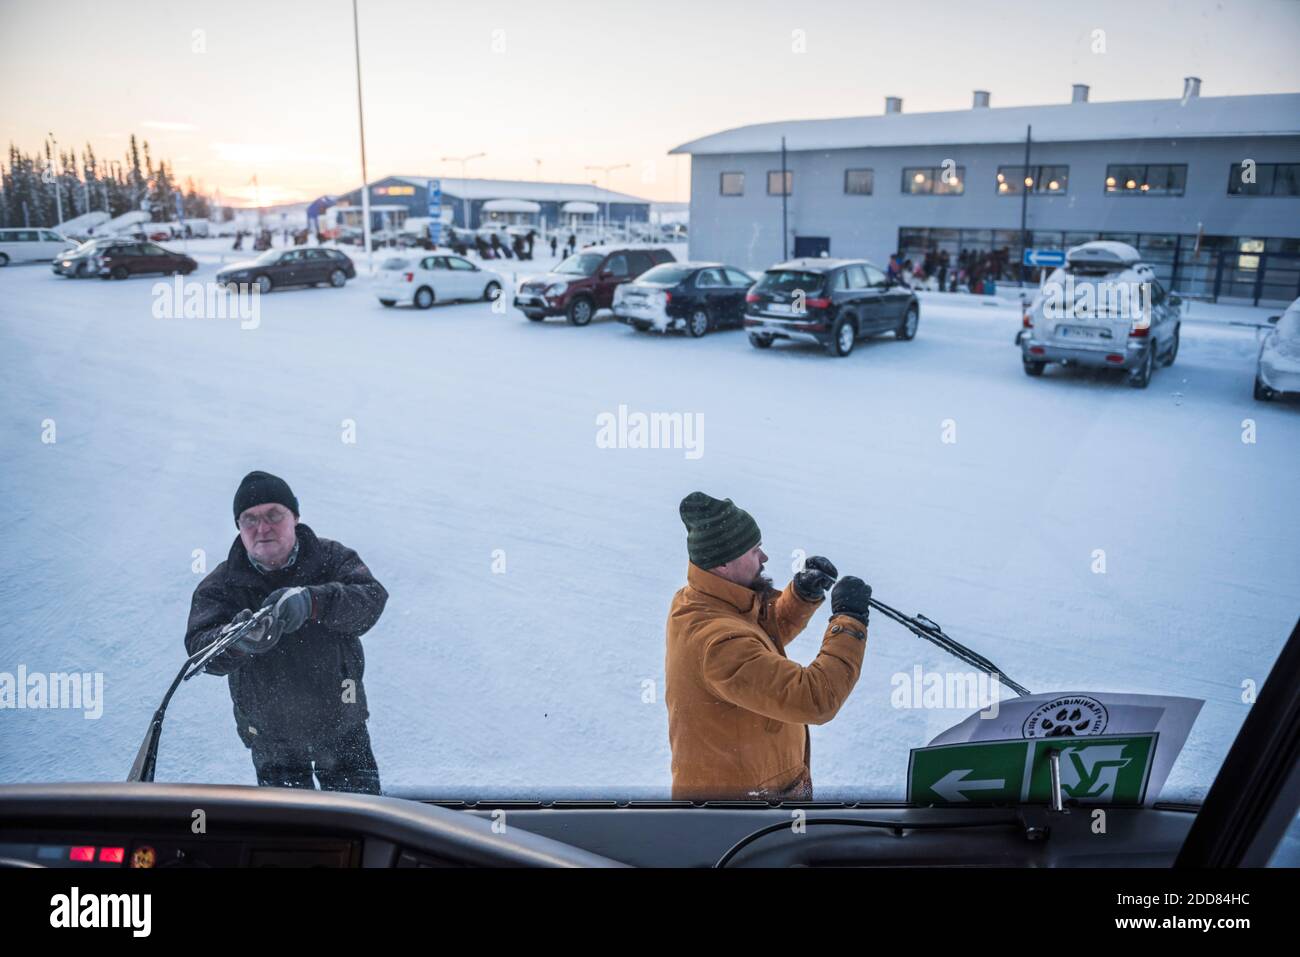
738	708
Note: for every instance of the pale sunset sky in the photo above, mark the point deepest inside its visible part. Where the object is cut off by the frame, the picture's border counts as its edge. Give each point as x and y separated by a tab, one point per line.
232	89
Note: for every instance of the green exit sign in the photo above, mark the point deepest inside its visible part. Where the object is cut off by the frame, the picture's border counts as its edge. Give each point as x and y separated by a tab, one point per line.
1099	769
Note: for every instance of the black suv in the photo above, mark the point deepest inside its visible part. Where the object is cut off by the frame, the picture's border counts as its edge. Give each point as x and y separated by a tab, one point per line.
832	302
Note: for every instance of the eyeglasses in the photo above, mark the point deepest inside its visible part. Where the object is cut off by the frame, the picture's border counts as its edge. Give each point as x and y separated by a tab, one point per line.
270	518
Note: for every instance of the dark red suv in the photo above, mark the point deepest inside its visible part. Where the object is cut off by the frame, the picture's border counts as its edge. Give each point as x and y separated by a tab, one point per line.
585	282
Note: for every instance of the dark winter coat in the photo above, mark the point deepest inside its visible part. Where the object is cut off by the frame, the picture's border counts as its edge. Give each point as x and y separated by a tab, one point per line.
295	692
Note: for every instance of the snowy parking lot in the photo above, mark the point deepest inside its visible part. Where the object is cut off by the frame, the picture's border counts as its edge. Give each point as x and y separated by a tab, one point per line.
530	569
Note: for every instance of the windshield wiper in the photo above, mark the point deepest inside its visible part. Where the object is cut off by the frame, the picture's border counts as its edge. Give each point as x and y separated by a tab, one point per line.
926	628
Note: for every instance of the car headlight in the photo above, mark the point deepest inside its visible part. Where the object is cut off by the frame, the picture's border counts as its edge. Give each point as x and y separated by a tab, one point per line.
556	288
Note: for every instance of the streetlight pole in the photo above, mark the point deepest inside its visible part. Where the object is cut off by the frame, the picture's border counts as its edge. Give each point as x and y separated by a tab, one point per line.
607	170
462	160
58	191
361	122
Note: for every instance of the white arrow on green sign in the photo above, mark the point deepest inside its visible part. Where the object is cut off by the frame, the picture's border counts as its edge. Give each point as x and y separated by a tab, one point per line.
1101	769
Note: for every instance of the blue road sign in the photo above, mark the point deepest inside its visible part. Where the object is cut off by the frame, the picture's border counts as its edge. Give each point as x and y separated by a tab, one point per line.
1044	257
435	210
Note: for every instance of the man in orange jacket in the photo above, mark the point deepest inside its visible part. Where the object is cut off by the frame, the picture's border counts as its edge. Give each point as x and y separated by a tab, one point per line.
738	708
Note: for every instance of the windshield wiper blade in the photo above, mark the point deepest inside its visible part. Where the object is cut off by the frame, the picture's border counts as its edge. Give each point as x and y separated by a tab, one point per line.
927	628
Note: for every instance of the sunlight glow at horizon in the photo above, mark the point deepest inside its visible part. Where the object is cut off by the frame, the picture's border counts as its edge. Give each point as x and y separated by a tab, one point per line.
243	89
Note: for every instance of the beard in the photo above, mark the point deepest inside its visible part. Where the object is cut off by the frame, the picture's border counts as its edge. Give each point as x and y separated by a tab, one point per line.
761	583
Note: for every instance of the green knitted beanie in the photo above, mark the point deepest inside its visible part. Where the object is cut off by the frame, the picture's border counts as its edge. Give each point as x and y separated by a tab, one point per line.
716	530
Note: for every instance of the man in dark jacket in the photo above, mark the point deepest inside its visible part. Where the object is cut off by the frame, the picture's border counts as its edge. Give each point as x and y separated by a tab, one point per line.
299	703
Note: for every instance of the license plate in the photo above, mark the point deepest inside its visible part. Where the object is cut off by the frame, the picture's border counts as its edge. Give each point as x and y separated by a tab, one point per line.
1083	332
530	300
784	308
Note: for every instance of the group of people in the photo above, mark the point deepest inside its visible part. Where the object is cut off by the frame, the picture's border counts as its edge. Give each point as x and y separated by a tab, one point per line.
738	706
975	271
518	246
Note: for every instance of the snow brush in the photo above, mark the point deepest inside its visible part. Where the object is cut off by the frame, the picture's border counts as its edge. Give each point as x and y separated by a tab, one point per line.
927	628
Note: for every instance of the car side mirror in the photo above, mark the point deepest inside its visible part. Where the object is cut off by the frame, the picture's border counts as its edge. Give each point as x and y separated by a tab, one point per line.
1175	299
1274	319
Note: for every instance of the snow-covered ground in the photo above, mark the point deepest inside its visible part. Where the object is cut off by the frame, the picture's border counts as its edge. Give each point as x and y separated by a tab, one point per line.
476	432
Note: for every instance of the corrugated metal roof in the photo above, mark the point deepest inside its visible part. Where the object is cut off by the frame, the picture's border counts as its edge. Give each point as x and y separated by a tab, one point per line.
521	189
1274	114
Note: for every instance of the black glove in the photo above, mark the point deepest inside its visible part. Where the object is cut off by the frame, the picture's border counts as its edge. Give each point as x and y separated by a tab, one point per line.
255	641
818	575
290	608
851	596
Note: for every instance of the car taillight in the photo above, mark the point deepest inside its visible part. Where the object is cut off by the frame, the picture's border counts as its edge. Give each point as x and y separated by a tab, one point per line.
668	297
751	297
817	303
1139	332
410	277
1026	322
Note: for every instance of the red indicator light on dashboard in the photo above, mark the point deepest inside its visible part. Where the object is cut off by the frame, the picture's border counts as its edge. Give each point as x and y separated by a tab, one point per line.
81	854
112	855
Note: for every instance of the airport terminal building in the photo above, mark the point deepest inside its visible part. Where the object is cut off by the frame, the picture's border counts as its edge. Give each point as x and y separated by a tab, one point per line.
471	203
1207	188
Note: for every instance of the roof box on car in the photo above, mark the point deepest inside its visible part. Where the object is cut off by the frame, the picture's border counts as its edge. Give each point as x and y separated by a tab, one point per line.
1104	252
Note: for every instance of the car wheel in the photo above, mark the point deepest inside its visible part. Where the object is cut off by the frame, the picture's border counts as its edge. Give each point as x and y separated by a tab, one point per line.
120	272
698	324
4	260
910	321
1262	392
388	302
1173	350
423	297
491	291
1034	368
580	311
263	283
1140	377
760	342
338	278
843	335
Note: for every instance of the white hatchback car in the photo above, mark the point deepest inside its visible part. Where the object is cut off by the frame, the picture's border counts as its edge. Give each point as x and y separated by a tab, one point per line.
421	279
1278	372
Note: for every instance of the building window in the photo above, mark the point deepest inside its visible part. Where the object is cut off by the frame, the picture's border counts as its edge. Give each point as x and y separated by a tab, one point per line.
733	184
774	182
1012	180
1153	180
934	180
1264	179
859	182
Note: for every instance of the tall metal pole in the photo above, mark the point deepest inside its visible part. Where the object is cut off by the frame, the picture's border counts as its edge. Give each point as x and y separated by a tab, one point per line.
58	191
785	232
361	120
1024	206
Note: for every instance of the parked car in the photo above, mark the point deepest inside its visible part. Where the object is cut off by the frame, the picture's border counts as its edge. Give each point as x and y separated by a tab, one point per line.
1103	309
832	302
693	296
1278	370
300	266
120	260
585	282
423	280
30	245
84	259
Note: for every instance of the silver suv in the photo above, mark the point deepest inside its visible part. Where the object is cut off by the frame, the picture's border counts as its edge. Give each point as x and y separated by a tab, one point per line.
1104	308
